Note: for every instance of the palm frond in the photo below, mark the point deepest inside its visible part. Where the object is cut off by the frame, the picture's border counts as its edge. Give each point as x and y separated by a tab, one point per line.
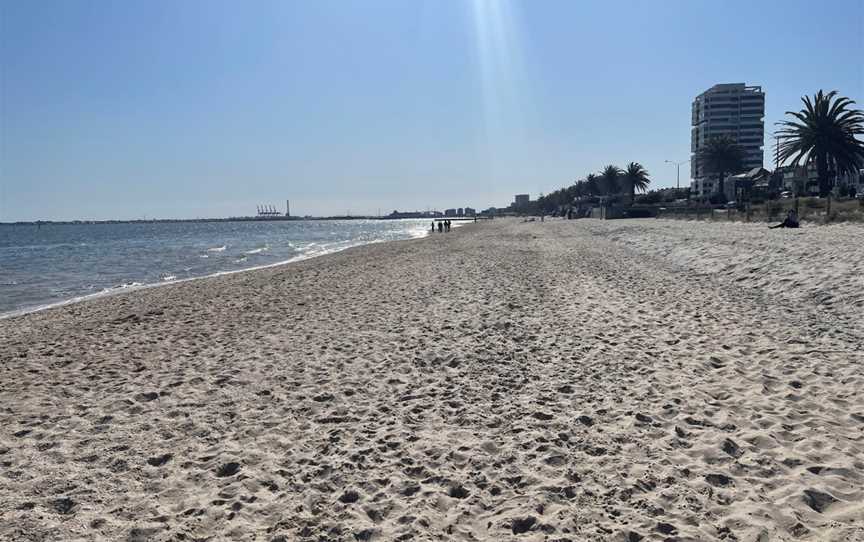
825	132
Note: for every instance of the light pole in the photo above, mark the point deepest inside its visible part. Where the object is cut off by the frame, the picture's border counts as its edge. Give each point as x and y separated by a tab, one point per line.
678	170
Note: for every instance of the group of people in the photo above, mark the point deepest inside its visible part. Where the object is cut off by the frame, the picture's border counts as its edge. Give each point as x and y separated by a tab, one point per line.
443	226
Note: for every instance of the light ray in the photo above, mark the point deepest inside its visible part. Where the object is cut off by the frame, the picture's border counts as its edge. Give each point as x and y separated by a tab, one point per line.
506	105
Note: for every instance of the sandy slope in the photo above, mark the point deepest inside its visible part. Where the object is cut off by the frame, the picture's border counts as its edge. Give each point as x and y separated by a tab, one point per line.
583	380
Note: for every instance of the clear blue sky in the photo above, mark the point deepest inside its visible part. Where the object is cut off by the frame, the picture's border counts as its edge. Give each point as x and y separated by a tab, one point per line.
203	108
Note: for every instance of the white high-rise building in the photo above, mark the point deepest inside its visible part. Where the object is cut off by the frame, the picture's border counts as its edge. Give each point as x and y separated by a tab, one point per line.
732	109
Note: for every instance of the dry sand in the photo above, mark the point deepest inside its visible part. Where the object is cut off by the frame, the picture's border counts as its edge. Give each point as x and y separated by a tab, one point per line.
582	380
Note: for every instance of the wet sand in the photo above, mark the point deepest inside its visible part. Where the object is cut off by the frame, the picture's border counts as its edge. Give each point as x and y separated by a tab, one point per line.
566	380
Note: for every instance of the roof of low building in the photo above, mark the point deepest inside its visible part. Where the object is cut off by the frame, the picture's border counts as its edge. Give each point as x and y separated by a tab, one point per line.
753	173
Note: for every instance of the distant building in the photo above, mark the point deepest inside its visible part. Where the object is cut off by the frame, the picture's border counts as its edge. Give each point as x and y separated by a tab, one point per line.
413	214
851	180
800	180
735	110
450	212
470	212
756	182
407	214
460	212
803	180
521	201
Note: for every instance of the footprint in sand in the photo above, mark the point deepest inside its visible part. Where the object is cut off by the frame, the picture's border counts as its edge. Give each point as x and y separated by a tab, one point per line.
522	525
160	460
228	469
63	505
818	500
458	492
349	497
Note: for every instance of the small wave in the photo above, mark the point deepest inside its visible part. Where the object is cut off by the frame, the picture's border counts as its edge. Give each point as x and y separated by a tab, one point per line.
299	249
123	286
130	285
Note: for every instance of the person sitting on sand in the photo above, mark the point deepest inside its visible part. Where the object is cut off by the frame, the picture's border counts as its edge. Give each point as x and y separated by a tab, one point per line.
790	222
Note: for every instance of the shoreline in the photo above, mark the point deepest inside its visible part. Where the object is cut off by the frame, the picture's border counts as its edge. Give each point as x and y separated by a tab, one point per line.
120	290
40	223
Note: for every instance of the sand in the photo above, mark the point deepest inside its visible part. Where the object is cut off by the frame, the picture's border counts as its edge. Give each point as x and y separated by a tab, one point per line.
566	380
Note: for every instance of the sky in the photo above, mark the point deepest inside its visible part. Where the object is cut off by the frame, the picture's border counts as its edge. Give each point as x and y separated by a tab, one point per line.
207	108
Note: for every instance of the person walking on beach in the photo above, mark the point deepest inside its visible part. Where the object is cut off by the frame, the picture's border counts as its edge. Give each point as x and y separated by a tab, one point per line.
433	226
440	227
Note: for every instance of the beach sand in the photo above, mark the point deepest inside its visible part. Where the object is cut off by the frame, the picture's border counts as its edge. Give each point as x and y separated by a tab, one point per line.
567	380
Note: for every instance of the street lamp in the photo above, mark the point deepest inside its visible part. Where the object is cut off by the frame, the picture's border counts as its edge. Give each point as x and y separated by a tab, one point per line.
678	169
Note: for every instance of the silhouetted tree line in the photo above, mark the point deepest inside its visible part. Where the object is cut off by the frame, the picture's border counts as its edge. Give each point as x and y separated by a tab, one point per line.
611	183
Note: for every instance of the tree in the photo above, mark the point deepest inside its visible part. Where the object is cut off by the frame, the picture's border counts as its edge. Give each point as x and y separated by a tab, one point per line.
635	178
721	156
592	184
826	131
609	177
579	189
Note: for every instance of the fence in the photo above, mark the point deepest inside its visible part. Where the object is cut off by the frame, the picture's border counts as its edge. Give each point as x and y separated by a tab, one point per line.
809	209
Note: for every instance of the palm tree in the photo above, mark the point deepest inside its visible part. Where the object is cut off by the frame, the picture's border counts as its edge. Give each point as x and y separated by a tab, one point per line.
636	178
592	184
610	175
579	189
721	155
826	131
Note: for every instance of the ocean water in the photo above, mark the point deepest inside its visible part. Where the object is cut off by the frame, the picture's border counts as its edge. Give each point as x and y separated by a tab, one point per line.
51	264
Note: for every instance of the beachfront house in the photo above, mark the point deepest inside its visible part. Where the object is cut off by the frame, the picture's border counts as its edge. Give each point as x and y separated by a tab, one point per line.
800	180
757	182
804	180
853	182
